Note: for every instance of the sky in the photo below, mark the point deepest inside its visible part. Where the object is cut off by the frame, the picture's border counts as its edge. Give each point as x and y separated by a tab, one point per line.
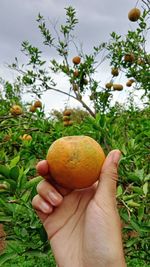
97	19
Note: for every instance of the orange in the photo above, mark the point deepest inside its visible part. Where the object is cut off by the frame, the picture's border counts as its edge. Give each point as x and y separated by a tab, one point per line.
76	60
75	161
67	112
114	72
129	83
16	110
129	58
76	73
68	123
38	104
108	85
132	80
27	137
140	61
134	14
32	109
118	87
66	118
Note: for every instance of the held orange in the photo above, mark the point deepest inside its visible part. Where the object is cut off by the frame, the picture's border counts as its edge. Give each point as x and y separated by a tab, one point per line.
75	161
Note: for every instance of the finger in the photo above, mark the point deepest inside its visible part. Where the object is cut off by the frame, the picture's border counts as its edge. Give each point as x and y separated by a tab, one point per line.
106	189
49	193
42	216
44	170
41	205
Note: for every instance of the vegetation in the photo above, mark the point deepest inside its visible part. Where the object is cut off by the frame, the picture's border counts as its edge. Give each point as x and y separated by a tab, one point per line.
26	134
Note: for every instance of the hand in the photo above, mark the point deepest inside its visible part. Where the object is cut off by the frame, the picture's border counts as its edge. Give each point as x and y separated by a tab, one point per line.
83	226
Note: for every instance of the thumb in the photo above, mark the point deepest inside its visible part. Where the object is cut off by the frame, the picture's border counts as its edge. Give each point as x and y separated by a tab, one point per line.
106	190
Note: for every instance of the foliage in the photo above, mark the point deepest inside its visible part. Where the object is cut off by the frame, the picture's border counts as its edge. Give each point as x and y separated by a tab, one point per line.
113	127
19	179
129	53
36	76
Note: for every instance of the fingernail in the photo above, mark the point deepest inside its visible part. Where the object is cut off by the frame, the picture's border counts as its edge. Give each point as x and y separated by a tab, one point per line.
116	156
45	207
54	198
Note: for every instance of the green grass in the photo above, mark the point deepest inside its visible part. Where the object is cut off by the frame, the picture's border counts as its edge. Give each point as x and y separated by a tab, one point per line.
137	263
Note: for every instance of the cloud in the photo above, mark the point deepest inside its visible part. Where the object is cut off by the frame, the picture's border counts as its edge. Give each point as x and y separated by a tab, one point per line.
97	19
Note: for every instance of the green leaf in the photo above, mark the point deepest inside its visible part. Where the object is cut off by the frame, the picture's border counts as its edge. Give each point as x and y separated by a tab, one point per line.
145	188
133	204
14	161
139	173
140	213
4	171
25	196
7	256
119	190
147	177
135	226
129	197
33	182
14	172
4	218
137	189
130	242
43	234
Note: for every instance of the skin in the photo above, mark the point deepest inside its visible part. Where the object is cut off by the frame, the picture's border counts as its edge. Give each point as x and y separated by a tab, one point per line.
83	226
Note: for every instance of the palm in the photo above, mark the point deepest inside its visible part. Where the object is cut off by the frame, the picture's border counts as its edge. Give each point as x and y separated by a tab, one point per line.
65	225
75	222
83	226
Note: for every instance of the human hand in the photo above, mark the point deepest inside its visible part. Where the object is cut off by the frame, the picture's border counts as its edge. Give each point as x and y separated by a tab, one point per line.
83	226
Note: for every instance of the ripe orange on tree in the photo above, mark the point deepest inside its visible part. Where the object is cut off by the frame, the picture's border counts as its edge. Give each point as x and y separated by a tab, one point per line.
38	104
27	137
108	85
115	71
117	87
66	118
32	109
76	60
16	110
67	112
129	58
68	123
129	83
75	161
76	73
134	14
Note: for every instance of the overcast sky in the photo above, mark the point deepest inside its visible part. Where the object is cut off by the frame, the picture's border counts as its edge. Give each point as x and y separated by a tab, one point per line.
97	19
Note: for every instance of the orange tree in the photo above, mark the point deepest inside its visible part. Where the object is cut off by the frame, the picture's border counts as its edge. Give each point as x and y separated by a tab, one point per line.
128	54
113	127
26	238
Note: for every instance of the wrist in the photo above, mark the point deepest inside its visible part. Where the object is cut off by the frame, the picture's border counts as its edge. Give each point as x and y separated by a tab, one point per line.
118	263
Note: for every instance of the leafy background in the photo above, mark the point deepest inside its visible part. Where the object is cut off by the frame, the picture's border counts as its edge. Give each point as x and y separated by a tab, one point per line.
23	241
